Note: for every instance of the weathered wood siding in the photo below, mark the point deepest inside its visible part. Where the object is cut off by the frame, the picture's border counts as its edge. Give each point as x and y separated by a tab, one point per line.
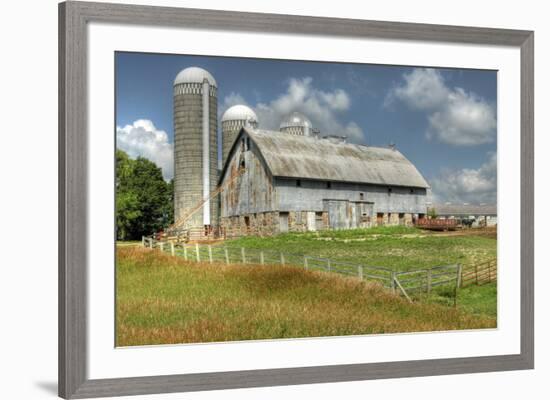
253	192
309	196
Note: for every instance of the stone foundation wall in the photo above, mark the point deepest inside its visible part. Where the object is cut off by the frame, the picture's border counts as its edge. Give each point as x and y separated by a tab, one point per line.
267	224
392	219
259	224
297	221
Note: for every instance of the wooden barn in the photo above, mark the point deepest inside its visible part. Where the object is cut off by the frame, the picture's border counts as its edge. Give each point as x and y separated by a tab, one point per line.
278	182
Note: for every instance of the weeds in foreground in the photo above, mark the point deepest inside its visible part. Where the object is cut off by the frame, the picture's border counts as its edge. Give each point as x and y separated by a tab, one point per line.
164	300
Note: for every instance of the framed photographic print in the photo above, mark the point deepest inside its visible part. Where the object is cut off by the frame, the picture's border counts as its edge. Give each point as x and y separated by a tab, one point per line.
256	200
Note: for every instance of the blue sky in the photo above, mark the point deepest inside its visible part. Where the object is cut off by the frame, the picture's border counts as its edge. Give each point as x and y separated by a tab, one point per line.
443	120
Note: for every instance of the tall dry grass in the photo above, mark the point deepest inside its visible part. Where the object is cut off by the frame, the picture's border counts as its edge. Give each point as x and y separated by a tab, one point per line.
164	300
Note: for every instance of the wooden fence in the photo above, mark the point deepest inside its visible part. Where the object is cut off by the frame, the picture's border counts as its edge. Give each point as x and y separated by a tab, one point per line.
406	283
480	274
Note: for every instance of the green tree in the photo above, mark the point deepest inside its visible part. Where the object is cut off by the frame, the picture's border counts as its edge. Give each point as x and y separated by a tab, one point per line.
143	197
127	214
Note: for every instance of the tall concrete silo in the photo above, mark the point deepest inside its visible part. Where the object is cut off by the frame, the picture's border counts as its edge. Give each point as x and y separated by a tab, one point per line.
296	124
195	145
233	120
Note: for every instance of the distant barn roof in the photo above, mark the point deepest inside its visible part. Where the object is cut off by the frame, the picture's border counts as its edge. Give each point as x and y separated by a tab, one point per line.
304	157
465	209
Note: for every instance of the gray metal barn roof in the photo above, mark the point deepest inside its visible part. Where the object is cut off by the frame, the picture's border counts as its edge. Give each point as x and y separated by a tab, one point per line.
304	157
465	209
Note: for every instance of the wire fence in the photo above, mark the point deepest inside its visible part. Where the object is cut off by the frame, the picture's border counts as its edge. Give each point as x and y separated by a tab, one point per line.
407	283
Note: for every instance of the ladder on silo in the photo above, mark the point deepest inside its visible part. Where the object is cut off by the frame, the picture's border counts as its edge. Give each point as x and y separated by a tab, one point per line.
189	213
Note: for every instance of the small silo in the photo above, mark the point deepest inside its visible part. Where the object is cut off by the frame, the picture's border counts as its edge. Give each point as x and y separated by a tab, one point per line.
233	120
195	145
296	124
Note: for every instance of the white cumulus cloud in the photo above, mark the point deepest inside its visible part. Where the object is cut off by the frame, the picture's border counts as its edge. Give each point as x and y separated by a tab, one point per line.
231	100
455	116
143	139
468	185
321	107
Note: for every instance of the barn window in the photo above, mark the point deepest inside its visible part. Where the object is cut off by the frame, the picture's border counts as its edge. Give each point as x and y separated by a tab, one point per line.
329	185
247	143
361	196
298	183
412	191
389	190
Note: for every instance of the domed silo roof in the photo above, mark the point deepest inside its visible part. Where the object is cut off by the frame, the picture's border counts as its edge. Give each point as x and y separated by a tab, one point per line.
239	113
194	75
296	120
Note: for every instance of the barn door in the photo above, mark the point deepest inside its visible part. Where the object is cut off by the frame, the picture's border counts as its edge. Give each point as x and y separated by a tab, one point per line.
283	222
353	216
319	221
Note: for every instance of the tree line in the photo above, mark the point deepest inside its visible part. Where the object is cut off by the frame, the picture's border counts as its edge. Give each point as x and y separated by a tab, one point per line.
144	200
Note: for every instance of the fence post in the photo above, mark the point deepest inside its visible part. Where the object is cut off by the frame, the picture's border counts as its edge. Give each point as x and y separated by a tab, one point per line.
226	253
210	253
328	265
197	250
396	281
429	279
185	252
477	282
143	241
172	249
161	247
243	255
262	257
151	243
305	263
360	272
458	275
392	283
282	259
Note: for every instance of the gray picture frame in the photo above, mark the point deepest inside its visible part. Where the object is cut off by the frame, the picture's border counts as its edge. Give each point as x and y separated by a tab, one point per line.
73	196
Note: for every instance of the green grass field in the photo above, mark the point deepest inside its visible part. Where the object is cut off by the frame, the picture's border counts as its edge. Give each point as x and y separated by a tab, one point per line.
163	299
400	248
